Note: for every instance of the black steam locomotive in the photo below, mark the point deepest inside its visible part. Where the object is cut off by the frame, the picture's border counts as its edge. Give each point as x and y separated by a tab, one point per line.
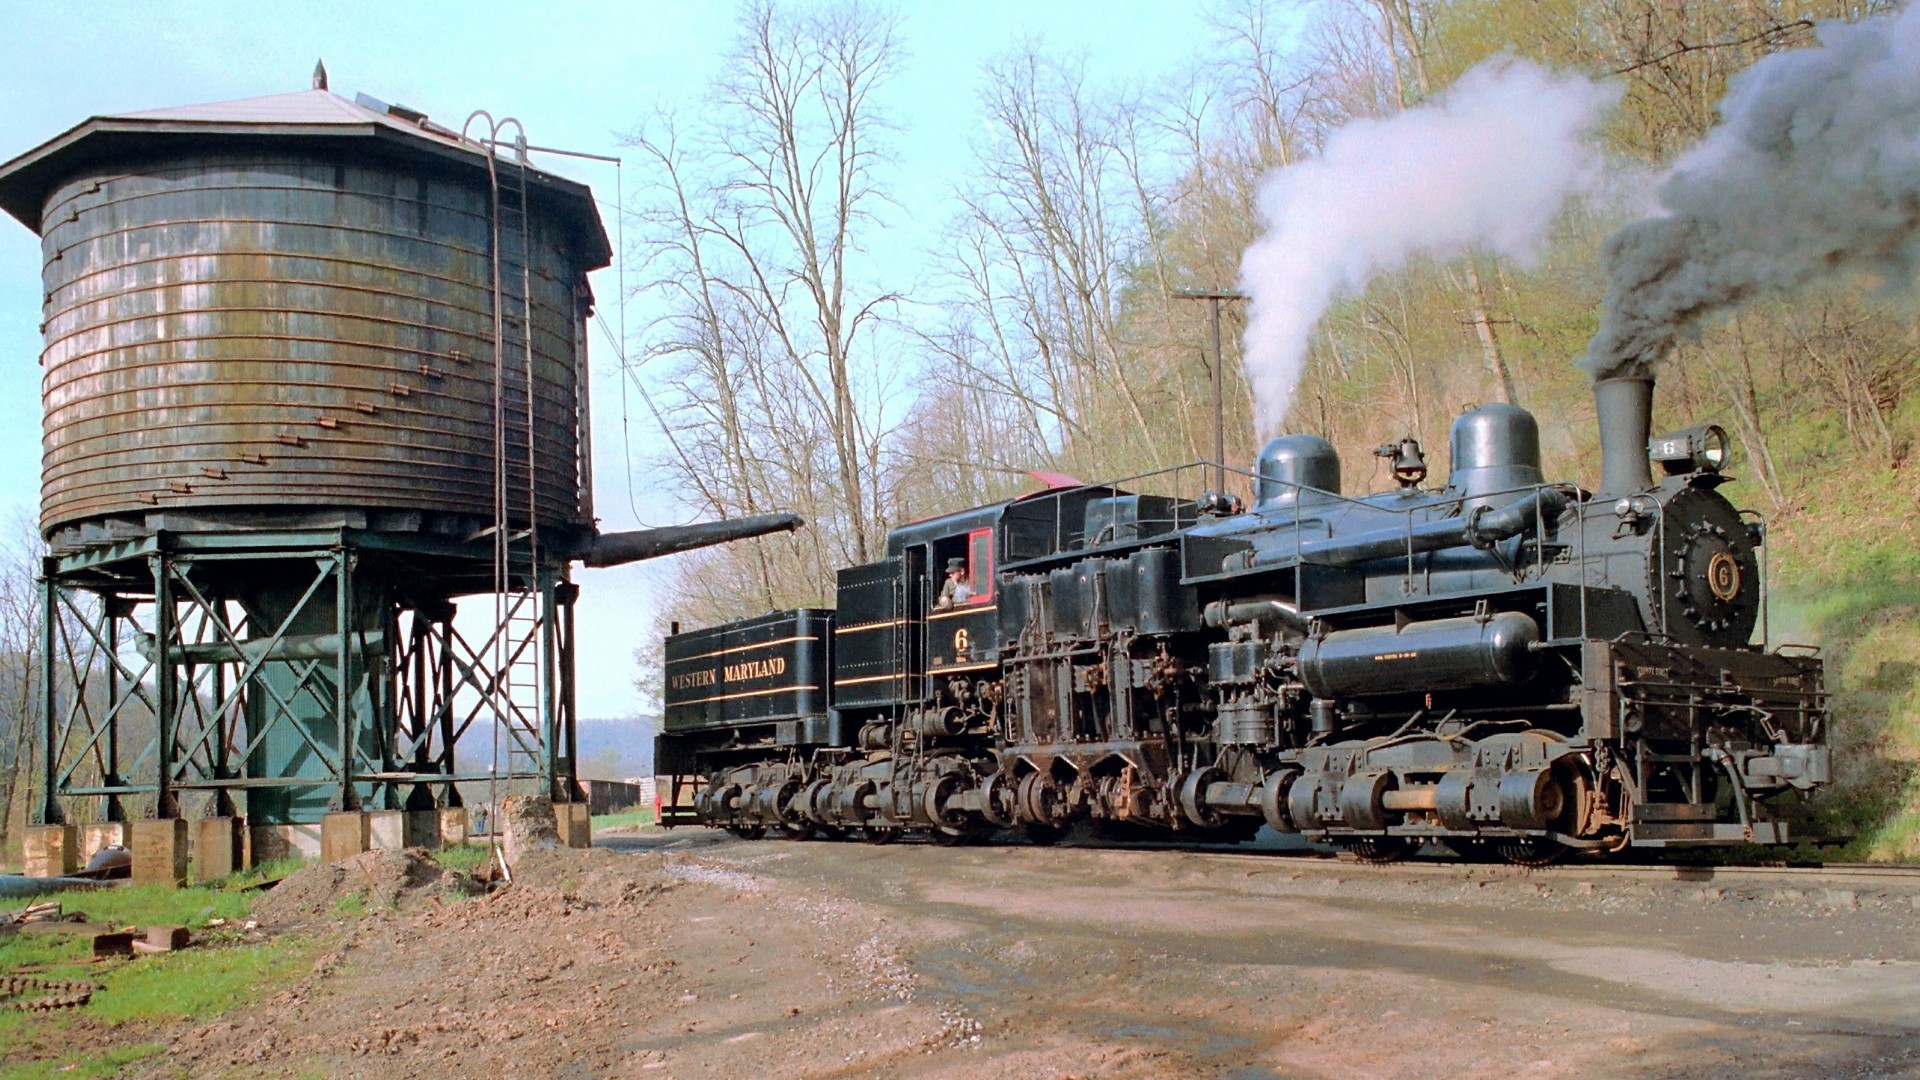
1501	664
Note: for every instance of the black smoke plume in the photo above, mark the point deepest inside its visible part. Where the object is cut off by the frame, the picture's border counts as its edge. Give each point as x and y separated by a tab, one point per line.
1813	172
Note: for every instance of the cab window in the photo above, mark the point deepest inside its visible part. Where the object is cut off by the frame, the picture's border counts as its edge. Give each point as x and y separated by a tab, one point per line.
980	565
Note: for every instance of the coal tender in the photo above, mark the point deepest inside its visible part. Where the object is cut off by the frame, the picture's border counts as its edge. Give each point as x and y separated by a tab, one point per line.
1503	665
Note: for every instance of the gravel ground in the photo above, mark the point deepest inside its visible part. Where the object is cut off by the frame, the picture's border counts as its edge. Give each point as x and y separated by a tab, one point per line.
691	954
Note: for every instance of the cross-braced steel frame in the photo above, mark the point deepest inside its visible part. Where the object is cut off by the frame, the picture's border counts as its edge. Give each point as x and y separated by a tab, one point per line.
329	664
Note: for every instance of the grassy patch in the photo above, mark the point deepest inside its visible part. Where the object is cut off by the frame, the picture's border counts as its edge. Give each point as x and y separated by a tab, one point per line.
199	983
266	871
351	906
91	1063
629	819
140	993
154	905
464	859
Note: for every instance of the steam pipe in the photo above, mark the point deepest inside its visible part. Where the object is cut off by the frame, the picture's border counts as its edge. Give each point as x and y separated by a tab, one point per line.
1624	407
1482	528
618	549
1487	527
1222	613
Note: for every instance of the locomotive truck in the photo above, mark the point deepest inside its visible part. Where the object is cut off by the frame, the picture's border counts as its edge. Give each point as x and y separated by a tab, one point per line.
1503	664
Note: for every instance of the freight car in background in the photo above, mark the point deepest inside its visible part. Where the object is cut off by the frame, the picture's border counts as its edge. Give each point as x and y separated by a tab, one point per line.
1501	664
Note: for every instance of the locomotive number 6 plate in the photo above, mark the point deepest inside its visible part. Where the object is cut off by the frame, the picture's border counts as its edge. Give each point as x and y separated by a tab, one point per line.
1723	576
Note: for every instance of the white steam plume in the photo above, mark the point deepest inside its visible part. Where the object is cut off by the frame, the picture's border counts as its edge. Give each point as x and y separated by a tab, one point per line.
1814	171
1488	164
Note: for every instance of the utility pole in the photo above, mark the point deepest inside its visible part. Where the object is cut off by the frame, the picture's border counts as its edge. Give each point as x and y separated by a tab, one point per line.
1213	297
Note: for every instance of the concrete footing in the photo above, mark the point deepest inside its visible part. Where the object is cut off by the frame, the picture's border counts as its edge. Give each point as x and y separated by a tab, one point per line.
343	835
50	850
575	824
165	849
386	830
269	842
218	850
101	834
159	847
421	828
452	821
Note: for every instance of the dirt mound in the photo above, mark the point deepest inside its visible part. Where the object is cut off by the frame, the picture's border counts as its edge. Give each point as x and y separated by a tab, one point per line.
375	879
582	879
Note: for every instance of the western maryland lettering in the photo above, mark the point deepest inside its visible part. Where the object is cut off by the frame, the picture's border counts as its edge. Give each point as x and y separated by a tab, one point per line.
694	680
732	673
756	669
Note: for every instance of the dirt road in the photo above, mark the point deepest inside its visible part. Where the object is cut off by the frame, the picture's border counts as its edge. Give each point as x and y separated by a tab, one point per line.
696	955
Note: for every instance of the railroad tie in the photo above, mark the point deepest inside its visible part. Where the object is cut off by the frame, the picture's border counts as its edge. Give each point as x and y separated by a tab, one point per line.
46	994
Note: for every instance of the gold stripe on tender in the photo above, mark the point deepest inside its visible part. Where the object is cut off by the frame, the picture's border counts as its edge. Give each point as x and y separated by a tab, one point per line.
864	679
857	627
957	612
742	694
741	648
963	667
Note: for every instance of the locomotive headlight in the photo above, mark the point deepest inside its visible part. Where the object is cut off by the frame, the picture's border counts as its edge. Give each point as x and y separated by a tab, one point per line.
1713	451
1701	449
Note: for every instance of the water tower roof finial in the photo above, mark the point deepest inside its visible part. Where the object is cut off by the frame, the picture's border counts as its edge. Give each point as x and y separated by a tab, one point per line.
320	75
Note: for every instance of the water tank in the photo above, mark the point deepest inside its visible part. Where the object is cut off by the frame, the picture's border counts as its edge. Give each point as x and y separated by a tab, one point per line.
1290	463
286	305
1494	448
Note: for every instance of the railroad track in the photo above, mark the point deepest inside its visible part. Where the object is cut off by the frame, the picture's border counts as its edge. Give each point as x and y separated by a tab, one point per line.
1858	874
1326	860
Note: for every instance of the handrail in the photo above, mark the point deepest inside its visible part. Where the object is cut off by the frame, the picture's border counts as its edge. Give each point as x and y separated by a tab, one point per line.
1444	511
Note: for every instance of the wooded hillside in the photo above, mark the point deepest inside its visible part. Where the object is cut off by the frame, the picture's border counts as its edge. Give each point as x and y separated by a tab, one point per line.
1047	332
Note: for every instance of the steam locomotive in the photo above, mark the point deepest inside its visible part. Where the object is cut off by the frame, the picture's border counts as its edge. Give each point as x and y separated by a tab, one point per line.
1502	665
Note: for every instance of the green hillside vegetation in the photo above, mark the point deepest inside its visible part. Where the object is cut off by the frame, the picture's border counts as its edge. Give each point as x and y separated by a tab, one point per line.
1048	333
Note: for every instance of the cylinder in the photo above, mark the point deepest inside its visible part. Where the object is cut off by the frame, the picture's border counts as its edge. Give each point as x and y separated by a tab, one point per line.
1444	654
1293	463
1246	723
284	328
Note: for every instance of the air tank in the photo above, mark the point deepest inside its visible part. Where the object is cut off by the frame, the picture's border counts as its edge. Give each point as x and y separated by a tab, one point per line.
1444	654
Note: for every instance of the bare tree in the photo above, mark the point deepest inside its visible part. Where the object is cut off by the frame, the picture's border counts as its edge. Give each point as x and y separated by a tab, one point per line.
20	651
770	350
1051	227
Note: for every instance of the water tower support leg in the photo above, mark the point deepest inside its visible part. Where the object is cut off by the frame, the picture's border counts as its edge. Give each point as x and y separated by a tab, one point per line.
48	812
166	690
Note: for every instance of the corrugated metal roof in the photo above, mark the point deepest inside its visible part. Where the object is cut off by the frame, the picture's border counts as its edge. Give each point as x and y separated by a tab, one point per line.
302	107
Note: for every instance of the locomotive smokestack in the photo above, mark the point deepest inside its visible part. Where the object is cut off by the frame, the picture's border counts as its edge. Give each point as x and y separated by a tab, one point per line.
617	549
1625	409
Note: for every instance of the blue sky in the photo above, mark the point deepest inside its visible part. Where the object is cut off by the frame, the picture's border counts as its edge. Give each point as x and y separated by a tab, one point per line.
577	75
